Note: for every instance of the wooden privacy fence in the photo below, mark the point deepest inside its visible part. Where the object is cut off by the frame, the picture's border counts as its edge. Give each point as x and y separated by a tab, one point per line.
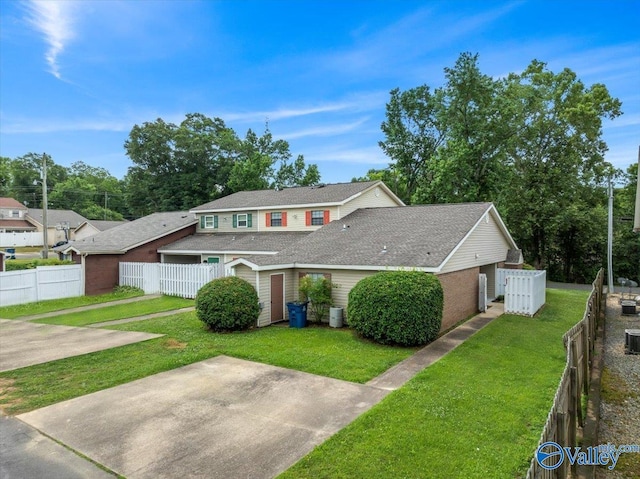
566	413
173	279
41	283
525	293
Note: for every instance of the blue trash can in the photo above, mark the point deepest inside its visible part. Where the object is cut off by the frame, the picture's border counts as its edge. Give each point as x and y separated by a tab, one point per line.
297	315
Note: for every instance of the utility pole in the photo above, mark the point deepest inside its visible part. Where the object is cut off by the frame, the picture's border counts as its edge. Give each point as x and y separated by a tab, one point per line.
610	240
45	226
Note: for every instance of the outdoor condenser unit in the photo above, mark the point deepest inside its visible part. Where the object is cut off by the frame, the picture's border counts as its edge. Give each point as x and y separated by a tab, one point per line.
632	341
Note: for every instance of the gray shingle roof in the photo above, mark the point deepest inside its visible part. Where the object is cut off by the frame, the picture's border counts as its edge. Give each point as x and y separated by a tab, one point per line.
414	236
133	233
302	195
55	217
103	225
216	242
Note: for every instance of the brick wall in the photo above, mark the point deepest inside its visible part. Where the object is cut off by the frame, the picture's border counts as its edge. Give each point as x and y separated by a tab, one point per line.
101	270
460	295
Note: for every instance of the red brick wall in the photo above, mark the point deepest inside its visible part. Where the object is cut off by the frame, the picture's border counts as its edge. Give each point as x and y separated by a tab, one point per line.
1	262
101	270
460	295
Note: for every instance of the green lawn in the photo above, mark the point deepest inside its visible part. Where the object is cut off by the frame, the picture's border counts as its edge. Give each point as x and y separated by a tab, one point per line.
39	307
119	311
324	351
478	412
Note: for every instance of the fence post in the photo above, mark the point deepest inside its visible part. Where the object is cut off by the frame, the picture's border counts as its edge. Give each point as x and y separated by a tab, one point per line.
561	472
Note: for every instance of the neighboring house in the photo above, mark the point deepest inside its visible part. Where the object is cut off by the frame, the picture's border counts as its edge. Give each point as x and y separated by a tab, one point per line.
12	217
264	222
456	242
61	224
92	227
136	241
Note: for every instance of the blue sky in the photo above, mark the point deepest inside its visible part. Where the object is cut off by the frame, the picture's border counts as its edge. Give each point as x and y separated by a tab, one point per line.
75	76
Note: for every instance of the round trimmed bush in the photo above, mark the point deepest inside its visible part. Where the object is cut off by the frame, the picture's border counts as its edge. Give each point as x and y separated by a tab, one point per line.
227	304
397	307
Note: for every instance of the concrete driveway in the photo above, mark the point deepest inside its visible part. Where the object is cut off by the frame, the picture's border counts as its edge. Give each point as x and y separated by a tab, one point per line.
223	417
24	344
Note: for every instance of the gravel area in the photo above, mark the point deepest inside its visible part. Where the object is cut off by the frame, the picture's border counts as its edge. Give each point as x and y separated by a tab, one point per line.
620	420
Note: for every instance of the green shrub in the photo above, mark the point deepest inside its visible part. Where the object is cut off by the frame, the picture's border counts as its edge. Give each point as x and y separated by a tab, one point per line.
126	290
318	292
397	307
22	264
227	304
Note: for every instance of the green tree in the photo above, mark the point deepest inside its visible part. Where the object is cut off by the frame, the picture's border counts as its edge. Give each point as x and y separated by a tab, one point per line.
557	154
90	191
626	243
414	131
5	175
25	174
264	163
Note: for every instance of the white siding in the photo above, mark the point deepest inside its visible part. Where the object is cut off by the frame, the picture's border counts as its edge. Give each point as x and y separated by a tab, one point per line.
225	222
373	198
485	245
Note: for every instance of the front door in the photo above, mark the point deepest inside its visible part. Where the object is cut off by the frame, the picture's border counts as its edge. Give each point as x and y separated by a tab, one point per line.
277	297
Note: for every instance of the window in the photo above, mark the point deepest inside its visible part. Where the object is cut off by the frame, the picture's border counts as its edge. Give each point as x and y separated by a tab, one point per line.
242	220
208	221
15	214
317	218
276	219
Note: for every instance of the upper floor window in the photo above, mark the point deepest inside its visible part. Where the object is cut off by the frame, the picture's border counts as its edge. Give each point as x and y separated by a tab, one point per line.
242	220
317	217
208	221
276	219
15	214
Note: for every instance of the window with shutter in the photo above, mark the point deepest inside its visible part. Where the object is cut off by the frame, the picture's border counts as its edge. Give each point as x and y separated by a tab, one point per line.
276	219
317	217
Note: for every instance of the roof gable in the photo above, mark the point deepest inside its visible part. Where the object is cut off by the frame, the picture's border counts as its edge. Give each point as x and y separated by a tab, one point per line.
319	195
55	217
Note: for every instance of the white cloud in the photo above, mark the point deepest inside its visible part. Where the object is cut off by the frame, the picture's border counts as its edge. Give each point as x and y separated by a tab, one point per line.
324	130
52	18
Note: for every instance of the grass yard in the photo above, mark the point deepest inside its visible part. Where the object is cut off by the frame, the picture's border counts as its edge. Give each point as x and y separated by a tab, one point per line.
119	311
324	351
478	412
39	307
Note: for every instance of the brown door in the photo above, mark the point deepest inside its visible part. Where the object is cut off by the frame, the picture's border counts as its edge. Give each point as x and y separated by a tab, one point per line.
277	297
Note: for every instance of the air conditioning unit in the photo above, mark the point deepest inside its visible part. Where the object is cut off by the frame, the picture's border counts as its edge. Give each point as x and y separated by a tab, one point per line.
632	341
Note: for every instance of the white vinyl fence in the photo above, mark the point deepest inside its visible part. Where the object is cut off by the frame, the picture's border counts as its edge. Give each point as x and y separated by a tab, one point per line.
524	293
21	239
43	282
173	279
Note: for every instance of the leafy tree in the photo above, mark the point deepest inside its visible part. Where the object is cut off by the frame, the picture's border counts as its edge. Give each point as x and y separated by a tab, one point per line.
414	132
25	174
557	153
90	191
626	243
258	158
5	175
531	143
177	167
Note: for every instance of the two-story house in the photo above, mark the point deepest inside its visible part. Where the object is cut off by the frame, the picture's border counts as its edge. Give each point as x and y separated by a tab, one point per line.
265	222
12	216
